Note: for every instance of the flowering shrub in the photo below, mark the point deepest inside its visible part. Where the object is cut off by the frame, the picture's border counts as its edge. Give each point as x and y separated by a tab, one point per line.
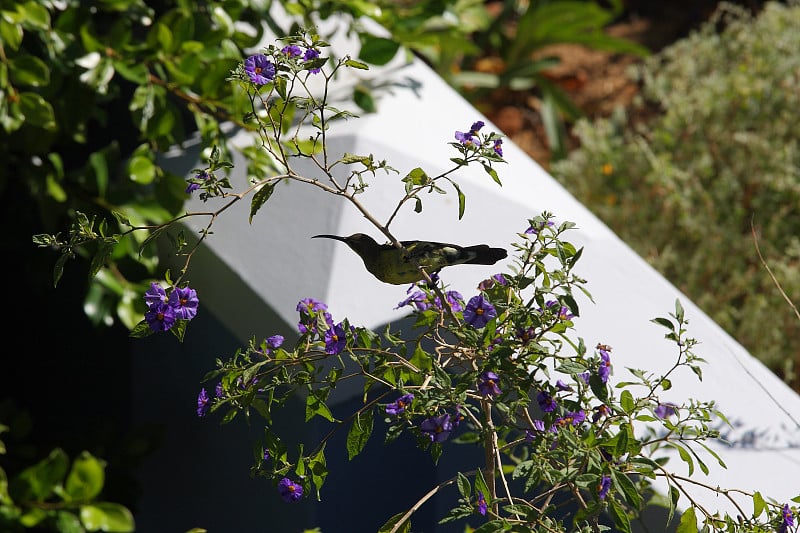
502	370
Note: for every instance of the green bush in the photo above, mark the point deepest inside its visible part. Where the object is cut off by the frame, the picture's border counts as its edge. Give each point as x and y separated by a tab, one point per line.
718	156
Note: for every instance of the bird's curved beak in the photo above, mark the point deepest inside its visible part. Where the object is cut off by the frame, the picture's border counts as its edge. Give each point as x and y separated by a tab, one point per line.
335	237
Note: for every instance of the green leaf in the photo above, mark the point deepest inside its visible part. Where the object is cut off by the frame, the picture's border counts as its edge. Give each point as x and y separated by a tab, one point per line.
688	522
620	517
37	111
390	524
319	469
260	198
110	517
462	201
315	405
360	431
626	401
141	170
10	34
377	50
417	177
356	64
363	98
464	487
759	505
627	487
493	173
39	481
86	478
29	70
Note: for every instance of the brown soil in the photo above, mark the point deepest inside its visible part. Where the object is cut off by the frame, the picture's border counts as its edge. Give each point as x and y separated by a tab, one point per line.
598	82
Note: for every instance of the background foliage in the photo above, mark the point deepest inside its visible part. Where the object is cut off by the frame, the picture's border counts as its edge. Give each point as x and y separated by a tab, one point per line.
719	153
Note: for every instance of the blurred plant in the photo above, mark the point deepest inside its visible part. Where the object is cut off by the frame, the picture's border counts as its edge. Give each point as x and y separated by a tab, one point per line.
720	151
58	495
455	37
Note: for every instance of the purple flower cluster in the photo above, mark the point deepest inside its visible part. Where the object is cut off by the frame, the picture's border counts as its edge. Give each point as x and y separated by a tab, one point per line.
194	183
316	320
163	310
422	301
399	405
472	139
309	54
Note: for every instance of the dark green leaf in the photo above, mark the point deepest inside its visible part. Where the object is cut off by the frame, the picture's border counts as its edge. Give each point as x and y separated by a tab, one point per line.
377	50
360	431
260	198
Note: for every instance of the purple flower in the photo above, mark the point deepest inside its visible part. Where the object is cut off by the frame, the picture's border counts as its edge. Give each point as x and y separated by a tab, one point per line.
458	417
155	295
310	305
585	377
536	227
476	127
289	490
603	487
438	428
266	454
259	69
219	390
310	55
605	366
664	410
574	418
453	298
184	301
335	339
487	384
497	279
787	519
417	299
546	402
292	50
399	405
466	139
479	311
563	387
160	317
274	342
202	403
498	147
525	335
599	412
194	183
482	507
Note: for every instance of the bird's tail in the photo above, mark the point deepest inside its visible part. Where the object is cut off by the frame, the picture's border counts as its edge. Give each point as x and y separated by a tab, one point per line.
485	254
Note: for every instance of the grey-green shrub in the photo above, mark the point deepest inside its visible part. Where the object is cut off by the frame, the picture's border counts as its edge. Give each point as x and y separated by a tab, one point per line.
719	151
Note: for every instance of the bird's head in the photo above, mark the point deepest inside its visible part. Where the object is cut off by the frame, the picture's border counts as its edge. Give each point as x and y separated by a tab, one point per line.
359	242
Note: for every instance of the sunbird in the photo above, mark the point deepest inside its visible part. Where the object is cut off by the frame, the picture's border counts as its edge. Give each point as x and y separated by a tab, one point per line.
392	265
